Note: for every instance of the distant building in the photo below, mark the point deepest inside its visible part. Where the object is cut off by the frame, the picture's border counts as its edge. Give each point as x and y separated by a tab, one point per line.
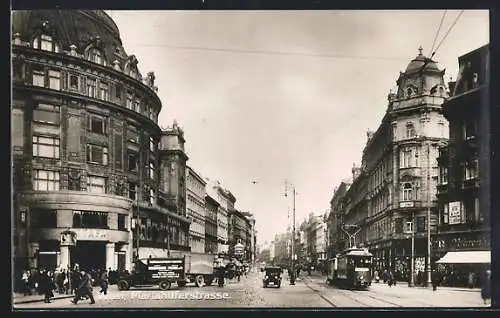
211	210
335	221
464	167
195	206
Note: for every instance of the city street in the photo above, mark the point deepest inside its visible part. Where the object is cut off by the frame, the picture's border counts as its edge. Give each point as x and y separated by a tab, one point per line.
311	292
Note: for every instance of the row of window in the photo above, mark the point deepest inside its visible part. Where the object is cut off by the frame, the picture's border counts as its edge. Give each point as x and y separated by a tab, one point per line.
45	180
379	229
379	202
470	171
46	218
161	232
92	88
46	42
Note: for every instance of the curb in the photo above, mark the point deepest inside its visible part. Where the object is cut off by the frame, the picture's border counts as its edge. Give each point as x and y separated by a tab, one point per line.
40	300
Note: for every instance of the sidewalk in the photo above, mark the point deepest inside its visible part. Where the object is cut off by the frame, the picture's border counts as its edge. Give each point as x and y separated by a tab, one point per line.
18	298
401	283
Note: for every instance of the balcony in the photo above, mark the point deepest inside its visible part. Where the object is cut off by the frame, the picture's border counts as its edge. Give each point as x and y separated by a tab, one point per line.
410	204
167	200
442	188
470	184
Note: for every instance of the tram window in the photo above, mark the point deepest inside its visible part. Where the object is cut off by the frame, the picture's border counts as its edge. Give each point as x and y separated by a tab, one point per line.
363	262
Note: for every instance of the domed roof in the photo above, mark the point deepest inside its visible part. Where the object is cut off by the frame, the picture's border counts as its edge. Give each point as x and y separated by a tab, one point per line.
71	27
419	61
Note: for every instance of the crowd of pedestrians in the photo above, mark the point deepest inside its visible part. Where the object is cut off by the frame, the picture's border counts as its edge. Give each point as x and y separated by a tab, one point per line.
75	282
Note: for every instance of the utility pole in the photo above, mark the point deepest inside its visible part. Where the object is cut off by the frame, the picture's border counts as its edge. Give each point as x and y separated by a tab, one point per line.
292	279
412	270
428	269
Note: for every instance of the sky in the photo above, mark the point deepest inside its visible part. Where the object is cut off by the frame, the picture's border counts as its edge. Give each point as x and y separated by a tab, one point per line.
272	95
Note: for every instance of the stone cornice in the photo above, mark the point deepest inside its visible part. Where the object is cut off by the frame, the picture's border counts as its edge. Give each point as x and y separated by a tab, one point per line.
120	76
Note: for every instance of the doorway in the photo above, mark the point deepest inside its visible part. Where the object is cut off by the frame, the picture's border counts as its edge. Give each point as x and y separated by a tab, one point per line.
90	255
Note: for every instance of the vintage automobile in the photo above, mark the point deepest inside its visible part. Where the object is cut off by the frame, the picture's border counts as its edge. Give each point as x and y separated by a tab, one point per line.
272	276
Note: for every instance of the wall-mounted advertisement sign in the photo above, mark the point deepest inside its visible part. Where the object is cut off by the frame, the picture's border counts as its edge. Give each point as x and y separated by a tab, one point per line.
455	212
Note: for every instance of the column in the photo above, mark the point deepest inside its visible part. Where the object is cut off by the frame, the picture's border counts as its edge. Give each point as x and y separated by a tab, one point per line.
128	256
34	246
110	255
64	261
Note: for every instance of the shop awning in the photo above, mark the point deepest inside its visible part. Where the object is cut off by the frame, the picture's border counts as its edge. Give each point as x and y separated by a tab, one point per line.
466	257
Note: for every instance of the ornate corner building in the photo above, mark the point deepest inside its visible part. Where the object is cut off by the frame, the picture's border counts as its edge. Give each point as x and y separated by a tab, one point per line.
88	154
394	190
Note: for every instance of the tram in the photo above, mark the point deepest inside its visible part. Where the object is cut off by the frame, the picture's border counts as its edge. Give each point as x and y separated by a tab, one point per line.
350	269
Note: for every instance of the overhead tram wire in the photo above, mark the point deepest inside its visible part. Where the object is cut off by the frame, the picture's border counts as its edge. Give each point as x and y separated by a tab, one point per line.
442	40
263	52
437	32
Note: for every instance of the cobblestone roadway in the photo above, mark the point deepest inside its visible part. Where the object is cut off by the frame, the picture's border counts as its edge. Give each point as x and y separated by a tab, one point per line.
309	292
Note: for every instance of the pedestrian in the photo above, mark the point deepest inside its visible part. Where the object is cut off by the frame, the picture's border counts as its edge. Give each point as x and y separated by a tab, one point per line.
436	278
104	282
471	279
84	289
390	278
47	285
25	281
486	288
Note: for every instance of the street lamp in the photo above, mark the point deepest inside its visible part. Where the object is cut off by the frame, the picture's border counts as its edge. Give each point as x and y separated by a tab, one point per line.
294	193
428	267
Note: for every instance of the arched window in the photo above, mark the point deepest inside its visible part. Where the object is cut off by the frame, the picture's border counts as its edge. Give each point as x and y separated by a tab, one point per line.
410	130
96	56
46	43
409	91
407	192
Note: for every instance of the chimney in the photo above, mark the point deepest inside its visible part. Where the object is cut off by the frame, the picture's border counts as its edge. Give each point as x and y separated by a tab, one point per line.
451	86
369	134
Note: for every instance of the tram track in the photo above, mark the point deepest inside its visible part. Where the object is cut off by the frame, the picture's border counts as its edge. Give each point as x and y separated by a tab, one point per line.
320	294
350	296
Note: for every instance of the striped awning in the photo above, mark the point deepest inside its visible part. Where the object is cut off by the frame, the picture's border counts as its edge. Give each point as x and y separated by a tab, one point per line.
466	257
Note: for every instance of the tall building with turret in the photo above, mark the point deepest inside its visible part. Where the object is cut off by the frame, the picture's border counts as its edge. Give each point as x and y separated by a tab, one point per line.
394	191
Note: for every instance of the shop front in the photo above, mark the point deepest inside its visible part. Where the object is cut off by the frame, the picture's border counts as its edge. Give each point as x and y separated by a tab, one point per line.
462	258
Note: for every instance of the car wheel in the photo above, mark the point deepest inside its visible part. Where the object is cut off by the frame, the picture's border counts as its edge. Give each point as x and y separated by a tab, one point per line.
199	280
165	285
123	285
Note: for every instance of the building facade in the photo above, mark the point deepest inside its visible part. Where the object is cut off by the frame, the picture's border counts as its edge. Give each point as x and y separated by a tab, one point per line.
195	205
85	145
394	190
237	232
211	208
335	222
464	211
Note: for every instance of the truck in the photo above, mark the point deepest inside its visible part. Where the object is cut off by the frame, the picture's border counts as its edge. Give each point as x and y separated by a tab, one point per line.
199	269
155	271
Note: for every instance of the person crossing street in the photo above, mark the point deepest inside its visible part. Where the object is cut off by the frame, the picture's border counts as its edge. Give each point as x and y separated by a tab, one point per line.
84	289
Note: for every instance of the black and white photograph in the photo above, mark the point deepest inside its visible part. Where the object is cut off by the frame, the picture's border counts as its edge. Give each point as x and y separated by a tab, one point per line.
182	159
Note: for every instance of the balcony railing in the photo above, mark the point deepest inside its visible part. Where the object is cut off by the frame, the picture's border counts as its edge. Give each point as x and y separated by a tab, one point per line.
470	184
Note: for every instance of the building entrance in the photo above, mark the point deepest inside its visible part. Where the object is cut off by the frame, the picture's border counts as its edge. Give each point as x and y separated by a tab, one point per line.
90	255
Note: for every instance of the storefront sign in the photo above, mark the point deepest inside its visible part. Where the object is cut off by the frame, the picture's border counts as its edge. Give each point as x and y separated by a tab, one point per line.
93	235
455	212
407	204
